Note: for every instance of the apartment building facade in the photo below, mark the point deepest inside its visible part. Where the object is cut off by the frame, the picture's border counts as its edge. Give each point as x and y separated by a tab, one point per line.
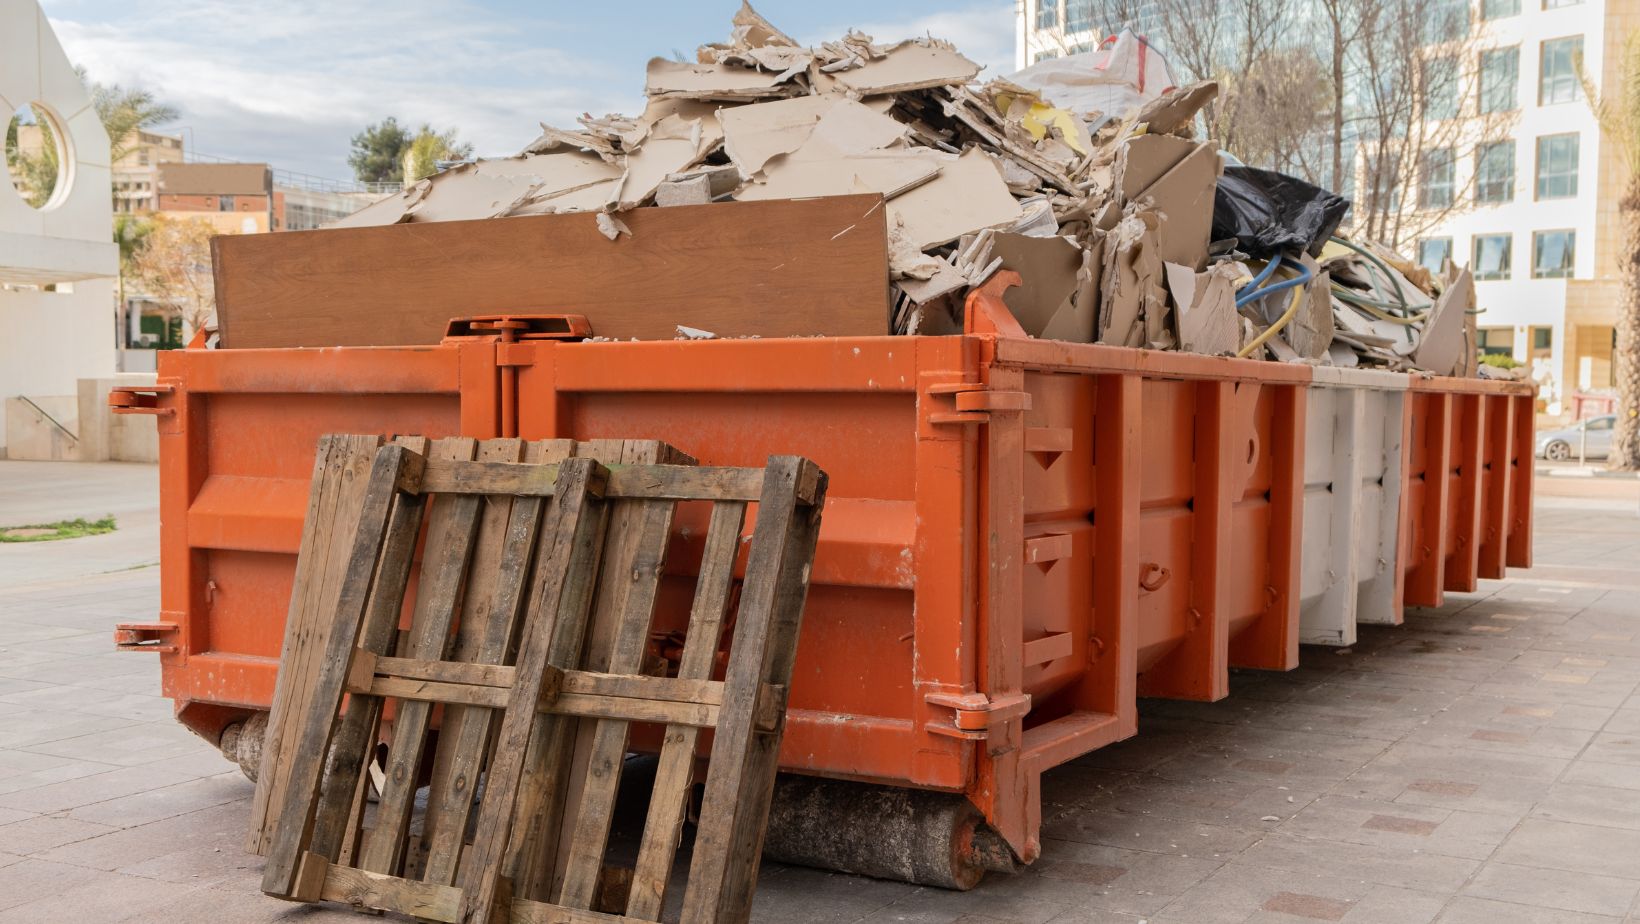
1541	233
1539	224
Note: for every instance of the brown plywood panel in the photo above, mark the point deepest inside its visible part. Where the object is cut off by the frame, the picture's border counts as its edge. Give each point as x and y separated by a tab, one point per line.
772	269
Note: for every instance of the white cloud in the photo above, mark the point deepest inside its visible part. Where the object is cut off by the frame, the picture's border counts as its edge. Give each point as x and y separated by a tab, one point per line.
291	82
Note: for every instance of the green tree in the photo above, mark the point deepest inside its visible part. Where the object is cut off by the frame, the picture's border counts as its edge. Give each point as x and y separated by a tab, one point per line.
1618	110
428	147
378	152
124	111
33	161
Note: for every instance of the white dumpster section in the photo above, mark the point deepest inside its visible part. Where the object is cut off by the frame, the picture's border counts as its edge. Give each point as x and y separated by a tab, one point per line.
1352	499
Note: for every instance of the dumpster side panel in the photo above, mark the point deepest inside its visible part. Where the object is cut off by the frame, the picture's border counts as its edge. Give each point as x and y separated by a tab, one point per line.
237	437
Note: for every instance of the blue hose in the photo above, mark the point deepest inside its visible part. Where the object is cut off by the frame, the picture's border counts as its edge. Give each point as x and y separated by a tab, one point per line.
1244	297
1258	280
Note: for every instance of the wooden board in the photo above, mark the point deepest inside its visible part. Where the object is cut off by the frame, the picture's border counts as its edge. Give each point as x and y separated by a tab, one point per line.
774	269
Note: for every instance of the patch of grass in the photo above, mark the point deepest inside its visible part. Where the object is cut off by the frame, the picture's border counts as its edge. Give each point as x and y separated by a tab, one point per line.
62	529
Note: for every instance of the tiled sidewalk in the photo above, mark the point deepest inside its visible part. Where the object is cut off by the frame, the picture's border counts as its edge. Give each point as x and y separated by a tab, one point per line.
1479	765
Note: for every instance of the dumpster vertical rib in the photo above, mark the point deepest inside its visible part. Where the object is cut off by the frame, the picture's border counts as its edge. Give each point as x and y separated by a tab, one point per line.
1470	454
1198	669
1428	555
1001	619
1500	432
1271	643
1520	479
1117	467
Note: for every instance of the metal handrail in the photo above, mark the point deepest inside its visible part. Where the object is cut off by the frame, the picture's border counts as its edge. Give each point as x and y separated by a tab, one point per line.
54	422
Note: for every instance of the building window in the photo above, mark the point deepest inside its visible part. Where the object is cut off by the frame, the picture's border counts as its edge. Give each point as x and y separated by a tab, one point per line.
1500	74
225	204
1433	252
1553	253
1557	71
1495	172
1557	166
1078	15
1441	88
1445	21
1496	341
1044	56
1491	258
1498	9
1047	14
1436	179
1543	341
1560	4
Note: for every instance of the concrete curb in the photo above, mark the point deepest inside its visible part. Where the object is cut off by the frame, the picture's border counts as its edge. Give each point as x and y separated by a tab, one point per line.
1584	471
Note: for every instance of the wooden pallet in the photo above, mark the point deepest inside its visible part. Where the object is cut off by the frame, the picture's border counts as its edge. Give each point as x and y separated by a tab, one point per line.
577	579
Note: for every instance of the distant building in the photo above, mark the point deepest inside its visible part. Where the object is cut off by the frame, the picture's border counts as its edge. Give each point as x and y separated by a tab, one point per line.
234	198
136	173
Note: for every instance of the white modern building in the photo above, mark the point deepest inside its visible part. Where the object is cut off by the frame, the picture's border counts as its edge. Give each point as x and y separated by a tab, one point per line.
1543	235
57	259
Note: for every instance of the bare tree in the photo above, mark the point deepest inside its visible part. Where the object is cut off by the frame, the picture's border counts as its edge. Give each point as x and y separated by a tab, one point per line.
174	266
1418	117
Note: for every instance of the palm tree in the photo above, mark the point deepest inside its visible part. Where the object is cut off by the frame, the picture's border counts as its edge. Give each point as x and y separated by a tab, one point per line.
124	111
1619	115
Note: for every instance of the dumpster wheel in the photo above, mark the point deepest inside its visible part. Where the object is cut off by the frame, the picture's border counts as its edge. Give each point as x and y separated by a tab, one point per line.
910	835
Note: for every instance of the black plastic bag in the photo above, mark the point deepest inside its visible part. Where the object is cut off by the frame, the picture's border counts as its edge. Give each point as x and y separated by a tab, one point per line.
1271	213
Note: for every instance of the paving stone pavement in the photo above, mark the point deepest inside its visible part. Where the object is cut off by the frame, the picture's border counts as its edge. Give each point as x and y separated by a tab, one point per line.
1478	765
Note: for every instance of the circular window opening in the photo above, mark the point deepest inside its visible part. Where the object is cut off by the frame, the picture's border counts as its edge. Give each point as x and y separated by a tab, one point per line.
37	156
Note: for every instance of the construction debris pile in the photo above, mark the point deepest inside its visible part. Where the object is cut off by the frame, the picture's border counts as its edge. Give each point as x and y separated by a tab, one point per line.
1083	174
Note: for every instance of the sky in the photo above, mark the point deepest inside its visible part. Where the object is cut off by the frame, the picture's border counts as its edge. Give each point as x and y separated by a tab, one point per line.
290	82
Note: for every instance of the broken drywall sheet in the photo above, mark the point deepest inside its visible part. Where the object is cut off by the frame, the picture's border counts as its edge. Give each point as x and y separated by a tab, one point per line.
667	78
1075	322
1440	348
674	144
754	134
389	211
1184	193
1205	307
880	172
1047	268
849	127
1134	300
466	193
1310	332
910	66
1174	111
968	195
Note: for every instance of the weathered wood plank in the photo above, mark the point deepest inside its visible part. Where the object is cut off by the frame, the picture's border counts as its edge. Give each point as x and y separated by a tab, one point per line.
716	267
569	566
735	812
670	795
340	469
452	532
388	523
634	560
656	482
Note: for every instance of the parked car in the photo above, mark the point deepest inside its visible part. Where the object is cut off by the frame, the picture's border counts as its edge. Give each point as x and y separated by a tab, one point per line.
1565	443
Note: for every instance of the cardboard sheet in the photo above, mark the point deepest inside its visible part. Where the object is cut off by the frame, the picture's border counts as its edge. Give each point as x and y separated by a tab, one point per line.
909	66
665	77
1205	307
